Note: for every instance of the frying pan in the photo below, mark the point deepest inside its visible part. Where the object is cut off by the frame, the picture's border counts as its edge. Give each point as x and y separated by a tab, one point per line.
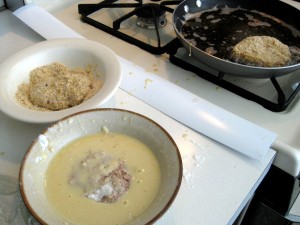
278	12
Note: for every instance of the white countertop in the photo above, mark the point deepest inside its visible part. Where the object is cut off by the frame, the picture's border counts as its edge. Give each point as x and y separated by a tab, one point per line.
217	181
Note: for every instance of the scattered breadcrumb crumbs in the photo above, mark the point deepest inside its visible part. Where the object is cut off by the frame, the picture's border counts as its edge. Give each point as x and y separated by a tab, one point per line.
55	87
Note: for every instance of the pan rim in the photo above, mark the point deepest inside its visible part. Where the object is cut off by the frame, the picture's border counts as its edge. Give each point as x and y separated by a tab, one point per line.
203	57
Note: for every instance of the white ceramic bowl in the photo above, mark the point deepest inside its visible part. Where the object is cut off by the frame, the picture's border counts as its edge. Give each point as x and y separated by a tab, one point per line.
71	52
37	159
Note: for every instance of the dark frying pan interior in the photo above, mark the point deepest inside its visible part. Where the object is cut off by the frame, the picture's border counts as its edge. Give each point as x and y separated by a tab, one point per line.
221	29
233	28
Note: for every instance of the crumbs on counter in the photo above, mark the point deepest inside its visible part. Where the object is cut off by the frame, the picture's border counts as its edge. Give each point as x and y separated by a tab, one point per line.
185	135
147	82
154	67
55	87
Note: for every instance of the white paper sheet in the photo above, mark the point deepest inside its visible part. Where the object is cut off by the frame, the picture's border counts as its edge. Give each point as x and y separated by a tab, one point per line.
44	23
183	106
197	113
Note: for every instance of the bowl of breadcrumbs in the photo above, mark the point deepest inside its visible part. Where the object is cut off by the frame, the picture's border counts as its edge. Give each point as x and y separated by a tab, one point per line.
56	78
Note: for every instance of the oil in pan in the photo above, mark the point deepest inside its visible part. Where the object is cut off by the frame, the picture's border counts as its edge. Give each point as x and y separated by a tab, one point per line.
217	30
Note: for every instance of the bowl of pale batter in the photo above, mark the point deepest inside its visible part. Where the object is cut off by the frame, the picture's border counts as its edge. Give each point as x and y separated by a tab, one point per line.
56	78
101	166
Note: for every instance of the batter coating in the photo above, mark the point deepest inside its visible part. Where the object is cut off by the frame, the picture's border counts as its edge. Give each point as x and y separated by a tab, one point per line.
102	177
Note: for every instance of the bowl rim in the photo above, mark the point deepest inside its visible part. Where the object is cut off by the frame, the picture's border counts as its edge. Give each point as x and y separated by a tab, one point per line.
35	116
28	151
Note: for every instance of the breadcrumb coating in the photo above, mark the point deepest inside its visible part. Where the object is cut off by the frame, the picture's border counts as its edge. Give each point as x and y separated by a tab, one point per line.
55	87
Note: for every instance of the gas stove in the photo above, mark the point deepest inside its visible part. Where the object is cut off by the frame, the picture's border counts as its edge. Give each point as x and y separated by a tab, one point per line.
275	98
133	21
274	103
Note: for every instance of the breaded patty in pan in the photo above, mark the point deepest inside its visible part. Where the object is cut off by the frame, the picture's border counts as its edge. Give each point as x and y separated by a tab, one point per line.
261	51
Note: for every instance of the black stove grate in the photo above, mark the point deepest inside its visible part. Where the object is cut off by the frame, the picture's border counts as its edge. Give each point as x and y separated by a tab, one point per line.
283	100
171	48
87	9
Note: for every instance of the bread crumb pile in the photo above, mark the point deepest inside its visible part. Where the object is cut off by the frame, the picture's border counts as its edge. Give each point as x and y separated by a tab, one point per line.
55	87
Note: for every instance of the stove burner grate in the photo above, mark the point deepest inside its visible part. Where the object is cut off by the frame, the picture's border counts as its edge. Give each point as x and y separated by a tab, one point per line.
283	100
151	16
